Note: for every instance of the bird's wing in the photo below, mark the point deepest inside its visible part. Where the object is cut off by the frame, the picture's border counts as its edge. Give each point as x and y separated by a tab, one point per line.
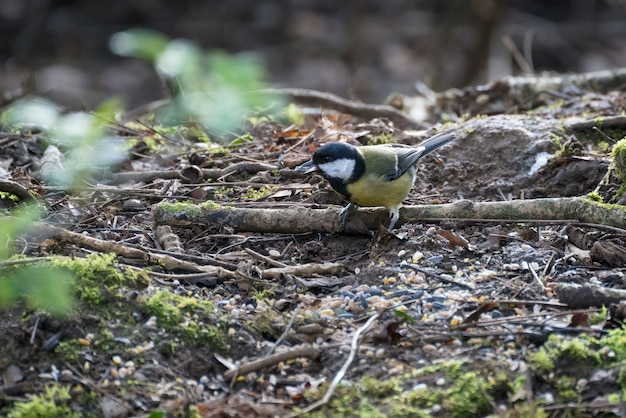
408	157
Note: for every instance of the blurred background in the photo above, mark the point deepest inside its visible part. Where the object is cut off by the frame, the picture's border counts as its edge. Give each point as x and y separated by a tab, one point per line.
362	49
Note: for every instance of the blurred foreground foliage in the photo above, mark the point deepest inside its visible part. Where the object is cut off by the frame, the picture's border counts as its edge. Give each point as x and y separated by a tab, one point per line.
212	90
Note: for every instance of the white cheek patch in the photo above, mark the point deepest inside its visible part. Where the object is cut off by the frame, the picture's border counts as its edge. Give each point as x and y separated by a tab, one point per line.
339	169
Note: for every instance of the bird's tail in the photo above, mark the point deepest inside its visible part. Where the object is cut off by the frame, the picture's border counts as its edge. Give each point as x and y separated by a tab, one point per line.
437	141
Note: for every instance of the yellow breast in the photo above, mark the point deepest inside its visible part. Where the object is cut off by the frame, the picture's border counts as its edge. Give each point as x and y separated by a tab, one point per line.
375	191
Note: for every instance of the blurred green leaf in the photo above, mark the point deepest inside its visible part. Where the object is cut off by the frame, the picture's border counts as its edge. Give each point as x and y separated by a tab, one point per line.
242	139
12	226
42	287
46	288
40	113
8	291
179	57
215	89
403	315
139	43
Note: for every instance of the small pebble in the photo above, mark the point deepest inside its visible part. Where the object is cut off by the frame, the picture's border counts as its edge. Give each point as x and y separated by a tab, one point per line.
133	205
375	291
122	372
435	259
441	381
417	256
429	348
274	253
420	386
117	360
151	323
399	293
438	306
401	253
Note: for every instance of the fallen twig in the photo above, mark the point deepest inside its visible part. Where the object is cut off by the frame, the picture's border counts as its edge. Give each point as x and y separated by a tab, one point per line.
354	346
12	187
340	104
588	295
308	351
280	339
303	220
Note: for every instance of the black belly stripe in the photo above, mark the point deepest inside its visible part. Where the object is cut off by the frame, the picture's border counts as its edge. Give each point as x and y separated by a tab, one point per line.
340	187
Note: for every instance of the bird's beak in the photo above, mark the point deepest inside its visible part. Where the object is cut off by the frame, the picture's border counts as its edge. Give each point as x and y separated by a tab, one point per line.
307	167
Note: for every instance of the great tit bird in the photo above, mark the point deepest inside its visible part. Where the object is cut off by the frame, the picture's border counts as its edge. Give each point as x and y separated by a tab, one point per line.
372	175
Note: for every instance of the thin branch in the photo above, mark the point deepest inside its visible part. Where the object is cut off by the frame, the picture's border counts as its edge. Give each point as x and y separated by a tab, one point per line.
310	352
341	373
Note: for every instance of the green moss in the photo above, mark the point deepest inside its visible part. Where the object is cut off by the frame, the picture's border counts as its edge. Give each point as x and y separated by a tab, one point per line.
619	158
595	197
187	317
9	196
566	389
379	389
264	324
468	397
223	192
596	318
52	403
526	409
194	134
542	360
99	278
69	350
255	194
608	206
384	138
470	394
559	350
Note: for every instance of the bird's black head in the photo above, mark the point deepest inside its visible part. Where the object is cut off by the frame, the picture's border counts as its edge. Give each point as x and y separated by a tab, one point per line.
339	161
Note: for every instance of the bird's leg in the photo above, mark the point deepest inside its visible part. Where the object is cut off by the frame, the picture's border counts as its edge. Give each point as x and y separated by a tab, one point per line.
395	215
344	215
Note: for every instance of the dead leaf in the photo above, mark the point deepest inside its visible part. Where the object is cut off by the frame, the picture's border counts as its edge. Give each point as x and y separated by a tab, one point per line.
606	252
485	307
580	320
455	240
281	193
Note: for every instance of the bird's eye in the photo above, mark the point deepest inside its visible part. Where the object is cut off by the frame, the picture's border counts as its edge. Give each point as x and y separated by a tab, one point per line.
327	158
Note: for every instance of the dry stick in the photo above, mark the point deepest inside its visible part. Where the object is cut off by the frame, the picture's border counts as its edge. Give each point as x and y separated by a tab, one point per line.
286	331
18	190
536	277
309	352
354	346
604	122
300	142
172	263
213	173
166	261
331	101
303	220
265	259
